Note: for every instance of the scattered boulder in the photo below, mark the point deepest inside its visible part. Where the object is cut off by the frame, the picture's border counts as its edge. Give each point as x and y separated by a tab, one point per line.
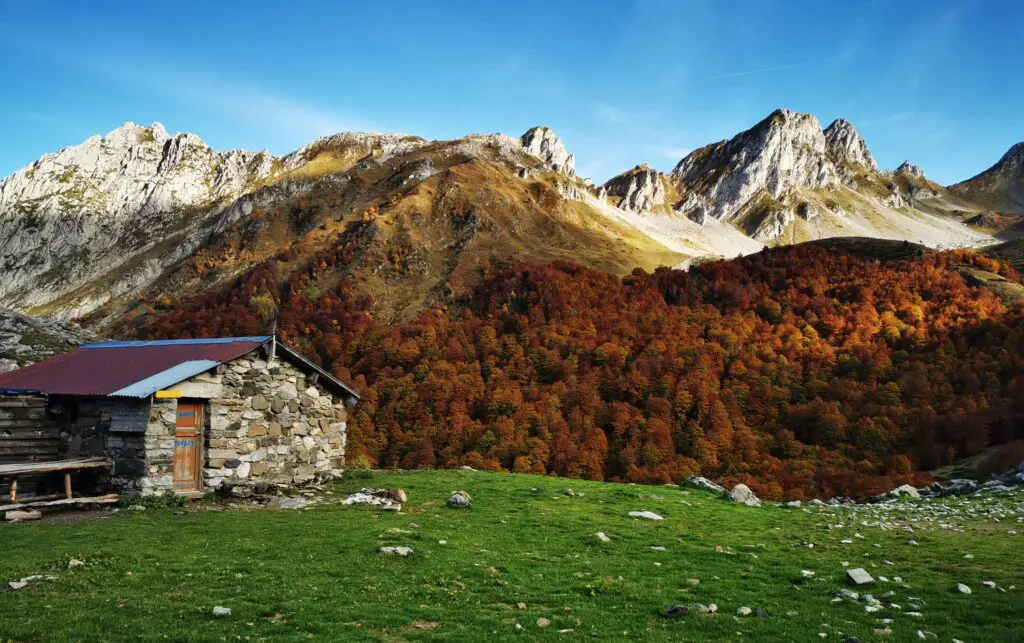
703	483
649	515
904	490
460	500
741	493
859	576
221	611
297	502
74	562
744	611
794	504
399	550
18	584
603	538
22	515
386	498
963	589
543	622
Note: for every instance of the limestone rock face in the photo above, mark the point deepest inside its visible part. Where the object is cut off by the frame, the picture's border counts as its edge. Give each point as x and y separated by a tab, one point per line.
25	339
773	225
68	217
545	145
786	151
640	189
846	147
908	168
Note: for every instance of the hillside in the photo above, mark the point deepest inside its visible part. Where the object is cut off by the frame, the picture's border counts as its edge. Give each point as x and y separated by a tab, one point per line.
524	563
999	188
139	217
835	367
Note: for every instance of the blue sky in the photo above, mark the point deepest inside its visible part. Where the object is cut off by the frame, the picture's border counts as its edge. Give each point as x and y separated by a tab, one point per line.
937	82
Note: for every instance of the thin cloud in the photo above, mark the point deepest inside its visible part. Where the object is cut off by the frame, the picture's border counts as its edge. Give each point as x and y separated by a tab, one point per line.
766	70
249	104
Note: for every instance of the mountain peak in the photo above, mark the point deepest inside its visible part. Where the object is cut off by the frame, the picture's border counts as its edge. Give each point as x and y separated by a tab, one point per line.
640	189
846	146
543	143
785	151
906	167
1013	155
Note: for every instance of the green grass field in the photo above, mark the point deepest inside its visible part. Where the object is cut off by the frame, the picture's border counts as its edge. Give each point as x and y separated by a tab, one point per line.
525	551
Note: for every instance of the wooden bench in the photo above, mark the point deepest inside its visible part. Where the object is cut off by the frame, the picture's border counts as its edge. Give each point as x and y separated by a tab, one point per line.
67	467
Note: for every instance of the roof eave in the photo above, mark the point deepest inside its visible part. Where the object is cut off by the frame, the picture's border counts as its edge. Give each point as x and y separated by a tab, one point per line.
331	380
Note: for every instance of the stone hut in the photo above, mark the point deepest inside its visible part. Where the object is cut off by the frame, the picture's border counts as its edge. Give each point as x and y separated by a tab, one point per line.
190	416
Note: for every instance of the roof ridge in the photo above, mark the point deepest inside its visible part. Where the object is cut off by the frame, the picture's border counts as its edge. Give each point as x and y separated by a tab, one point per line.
174	342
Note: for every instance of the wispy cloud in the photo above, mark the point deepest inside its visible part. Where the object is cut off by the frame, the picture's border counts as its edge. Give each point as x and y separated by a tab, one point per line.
775	68
249	104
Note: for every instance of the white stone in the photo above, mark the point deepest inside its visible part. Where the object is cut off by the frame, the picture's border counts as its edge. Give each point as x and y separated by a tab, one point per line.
741	493
397	551
221	611
313	391
649	515
243	470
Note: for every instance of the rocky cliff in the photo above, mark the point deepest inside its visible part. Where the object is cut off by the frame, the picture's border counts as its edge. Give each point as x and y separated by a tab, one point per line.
71	216
784	152
641	189
139	217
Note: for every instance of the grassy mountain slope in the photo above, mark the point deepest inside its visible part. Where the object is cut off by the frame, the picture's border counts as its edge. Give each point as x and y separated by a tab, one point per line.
525	551
421	228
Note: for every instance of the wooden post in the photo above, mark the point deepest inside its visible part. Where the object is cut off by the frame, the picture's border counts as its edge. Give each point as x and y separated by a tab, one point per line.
14	491
67	484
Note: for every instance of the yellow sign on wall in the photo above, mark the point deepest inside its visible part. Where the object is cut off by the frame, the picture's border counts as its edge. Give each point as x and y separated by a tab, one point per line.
163	395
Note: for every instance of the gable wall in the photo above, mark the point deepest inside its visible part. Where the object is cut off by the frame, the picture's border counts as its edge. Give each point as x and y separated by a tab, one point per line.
271	426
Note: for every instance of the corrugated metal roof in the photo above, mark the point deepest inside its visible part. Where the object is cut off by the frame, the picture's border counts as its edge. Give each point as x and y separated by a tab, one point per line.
164	379
107	368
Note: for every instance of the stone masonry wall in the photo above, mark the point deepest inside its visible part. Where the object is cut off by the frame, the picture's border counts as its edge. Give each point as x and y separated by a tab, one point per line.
159	448
264	424
269	425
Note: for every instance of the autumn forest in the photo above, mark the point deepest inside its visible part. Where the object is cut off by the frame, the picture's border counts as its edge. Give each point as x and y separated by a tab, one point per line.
801	371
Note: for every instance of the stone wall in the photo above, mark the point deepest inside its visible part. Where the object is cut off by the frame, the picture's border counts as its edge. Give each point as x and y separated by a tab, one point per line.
264	423
159	447
270	425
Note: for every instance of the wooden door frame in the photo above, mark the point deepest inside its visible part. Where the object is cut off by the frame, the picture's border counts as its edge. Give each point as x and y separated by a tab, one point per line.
200	427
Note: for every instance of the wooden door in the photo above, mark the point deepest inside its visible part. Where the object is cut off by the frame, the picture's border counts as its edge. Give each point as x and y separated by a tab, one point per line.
187	439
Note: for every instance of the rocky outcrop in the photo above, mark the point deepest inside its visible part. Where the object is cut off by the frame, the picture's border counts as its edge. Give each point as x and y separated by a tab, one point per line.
69	217
545	145
784	152
638	190
908	168
846	147
25	339
773	225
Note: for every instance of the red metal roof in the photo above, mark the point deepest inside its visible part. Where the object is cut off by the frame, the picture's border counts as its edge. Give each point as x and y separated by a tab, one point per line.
102	368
